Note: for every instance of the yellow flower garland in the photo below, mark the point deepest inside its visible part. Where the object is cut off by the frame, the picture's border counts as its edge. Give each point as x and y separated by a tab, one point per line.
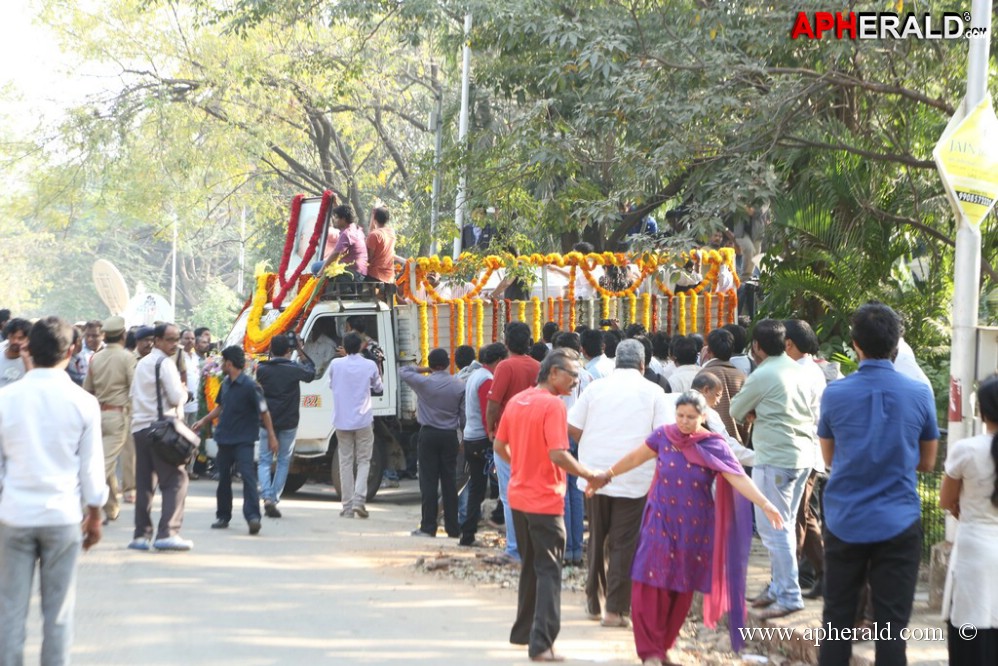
537	317
605	307
479	323
693	314
632	308
681	298
646	311
460	321
521	311
424	334
256	340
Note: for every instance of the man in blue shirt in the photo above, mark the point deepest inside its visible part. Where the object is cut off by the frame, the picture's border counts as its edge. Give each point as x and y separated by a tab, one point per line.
877	428
241	409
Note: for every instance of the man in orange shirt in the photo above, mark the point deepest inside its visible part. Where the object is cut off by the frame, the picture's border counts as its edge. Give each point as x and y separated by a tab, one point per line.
533	439
380	248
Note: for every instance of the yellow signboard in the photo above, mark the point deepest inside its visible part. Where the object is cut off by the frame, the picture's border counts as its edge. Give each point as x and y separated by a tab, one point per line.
967	159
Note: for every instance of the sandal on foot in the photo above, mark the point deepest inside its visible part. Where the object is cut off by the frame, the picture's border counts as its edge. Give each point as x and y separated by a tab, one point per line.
547	655
615	620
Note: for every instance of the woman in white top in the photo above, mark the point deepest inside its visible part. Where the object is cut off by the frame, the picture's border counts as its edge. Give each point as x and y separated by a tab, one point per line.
970	492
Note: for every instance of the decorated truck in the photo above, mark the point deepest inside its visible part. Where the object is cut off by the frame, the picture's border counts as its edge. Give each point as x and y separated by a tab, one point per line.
447	303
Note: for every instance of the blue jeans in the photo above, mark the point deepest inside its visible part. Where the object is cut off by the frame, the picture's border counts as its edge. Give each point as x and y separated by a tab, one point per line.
784	487
271	488
240	455
574	513
503	472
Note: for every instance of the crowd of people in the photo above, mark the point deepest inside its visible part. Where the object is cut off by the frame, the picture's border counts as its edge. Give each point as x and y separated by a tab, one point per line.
658	446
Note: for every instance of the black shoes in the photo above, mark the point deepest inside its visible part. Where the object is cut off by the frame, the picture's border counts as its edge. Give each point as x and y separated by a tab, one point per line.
254	526
220	524
271	510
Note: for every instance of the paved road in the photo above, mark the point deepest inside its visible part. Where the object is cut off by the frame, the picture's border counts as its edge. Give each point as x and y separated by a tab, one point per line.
312	588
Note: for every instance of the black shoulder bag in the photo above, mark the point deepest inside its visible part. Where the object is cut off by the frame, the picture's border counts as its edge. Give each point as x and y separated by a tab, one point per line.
169	438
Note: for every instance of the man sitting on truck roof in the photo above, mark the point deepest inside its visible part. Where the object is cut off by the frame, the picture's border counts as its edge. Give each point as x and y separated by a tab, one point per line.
350	250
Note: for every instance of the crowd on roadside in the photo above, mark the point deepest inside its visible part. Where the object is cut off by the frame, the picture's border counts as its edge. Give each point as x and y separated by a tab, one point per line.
657	445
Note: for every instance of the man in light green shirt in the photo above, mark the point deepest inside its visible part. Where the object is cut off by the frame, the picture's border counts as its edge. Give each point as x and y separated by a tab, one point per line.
777	400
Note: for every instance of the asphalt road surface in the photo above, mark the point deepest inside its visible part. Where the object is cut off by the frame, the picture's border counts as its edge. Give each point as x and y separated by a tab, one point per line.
311	588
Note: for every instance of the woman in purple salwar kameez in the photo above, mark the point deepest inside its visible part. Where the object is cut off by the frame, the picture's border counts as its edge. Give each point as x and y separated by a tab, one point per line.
690	541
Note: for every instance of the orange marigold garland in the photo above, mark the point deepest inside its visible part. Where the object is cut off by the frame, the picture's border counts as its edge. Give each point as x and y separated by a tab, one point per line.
453	334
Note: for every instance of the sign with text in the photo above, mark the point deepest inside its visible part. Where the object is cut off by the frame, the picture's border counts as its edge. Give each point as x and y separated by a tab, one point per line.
967	159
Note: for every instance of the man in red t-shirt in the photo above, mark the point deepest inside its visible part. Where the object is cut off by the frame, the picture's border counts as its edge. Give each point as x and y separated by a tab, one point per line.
533	439
380	248
514	374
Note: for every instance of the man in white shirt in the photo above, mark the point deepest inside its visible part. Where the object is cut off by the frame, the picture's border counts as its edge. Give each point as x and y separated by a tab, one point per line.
172	478
802	344
14	363
193	377
685	351
596	362
51	463
610	418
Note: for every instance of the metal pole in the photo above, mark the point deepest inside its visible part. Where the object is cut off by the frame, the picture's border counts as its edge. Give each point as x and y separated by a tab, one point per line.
967	256
242	252
173	271
461	201
436	121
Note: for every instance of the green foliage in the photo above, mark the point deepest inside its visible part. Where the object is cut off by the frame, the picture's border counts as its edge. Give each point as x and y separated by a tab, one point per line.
217	308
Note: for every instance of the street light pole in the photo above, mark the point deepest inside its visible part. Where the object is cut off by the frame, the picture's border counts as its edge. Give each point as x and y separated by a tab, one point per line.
436	122
461	202
967	256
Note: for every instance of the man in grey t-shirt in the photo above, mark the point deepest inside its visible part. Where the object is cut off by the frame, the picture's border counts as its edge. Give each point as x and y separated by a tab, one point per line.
14	359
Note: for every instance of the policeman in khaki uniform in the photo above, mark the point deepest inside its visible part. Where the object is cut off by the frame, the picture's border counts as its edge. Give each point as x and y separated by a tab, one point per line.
110	379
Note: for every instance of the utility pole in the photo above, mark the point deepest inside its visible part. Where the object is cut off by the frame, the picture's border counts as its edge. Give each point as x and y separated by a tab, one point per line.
461	203
173	271
437	124
967	257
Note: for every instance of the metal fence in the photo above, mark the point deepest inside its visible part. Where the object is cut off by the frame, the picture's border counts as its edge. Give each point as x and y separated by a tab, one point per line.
933	517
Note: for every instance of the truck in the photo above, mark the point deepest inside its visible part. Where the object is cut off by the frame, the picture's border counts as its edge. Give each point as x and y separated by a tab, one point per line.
409	318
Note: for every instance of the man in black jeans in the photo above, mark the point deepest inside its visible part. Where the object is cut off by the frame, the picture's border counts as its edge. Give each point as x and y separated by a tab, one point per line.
440	412
877	428
477	444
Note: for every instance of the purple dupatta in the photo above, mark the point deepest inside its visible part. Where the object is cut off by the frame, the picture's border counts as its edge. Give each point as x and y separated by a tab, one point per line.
732	529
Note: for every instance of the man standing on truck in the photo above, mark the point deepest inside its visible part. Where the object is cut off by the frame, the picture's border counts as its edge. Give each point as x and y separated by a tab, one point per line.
281	380
353	378
440	412
514	374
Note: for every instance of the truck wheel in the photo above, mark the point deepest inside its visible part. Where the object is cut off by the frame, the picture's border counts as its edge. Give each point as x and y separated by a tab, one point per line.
293	484
373	477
